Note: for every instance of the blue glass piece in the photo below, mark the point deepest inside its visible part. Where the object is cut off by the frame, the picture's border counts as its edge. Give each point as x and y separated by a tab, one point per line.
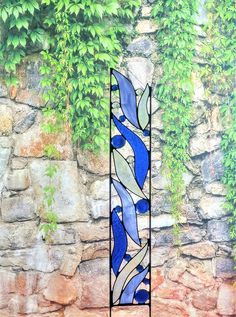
142	206
114	87
141	155
139	268
129	213
128	293
127	98
120	242
146	281
127	257
146	132
141	296
118	141
122	118
118	209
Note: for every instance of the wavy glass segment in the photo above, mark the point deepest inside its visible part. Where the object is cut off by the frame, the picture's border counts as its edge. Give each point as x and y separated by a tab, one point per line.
130	193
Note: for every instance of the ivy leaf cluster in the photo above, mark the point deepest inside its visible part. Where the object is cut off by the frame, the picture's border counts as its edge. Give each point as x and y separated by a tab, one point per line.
220	73
176	39
21	29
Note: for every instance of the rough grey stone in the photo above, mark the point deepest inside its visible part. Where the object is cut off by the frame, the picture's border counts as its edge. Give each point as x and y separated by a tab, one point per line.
4	158
141	45
164	220
25	123
201	144
99	208
212	207
18	209
212	167
160	255
224	267
160	203
100	189
14	236
94	267
66	234
201	17
218	230
3	89
140	71
70	197
18	180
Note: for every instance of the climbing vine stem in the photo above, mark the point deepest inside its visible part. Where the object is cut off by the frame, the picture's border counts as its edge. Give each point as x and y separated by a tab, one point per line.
176	43
219	77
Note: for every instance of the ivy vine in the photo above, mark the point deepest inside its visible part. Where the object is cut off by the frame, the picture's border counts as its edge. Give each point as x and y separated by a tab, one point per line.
85	39
219	77
176	44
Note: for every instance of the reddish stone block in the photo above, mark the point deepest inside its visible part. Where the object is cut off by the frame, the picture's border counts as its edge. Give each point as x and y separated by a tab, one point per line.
61	290
157	278
205	299
169	308
226	303
26	283
73	311
167	291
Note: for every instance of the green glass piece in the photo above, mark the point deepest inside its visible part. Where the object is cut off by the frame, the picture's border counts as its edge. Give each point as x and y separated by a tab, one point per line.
143	116
123	277
126	175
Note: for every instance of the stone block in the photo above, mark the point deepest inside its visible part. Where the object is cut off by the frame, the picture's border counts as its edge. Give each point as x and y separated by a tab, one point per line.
205	299
70	197
212	167
61	290
4	159
224	267
201	144
141	45
93	231
100	189
94	163
146	26
6	120
19	208
226	304
74	311
167	308
18	180
140	71
201	250
15	236
212	207
216	188
24	124
218	230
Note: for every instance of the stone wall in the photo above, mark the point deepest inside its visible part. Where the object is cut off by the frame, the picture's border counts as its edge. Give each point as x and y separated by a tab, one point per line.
69	277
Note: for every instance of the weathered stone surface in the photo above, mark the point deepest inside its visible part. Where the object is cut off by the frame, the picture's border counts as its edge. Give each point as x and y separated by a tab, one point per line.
140	71
18	180
164	220
170	290
18	163
3	89
212	167
6	142
8	283
66	234
4	159
100	189
71	261
30	90
202	270
26	283
201	144
226	304
161	182
212	207
201	17
146	11
23	305
18	209
191	281
130	311
160	255
216	188
146	26
177	269
95	250
188	235
161	203
25	123
6	120
141	45
14	236
74	311
201	250
94	231
199	91
70	200
167	308
32	143
99	208
61	290
205	299
93	163
224	267
95	284
218	230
